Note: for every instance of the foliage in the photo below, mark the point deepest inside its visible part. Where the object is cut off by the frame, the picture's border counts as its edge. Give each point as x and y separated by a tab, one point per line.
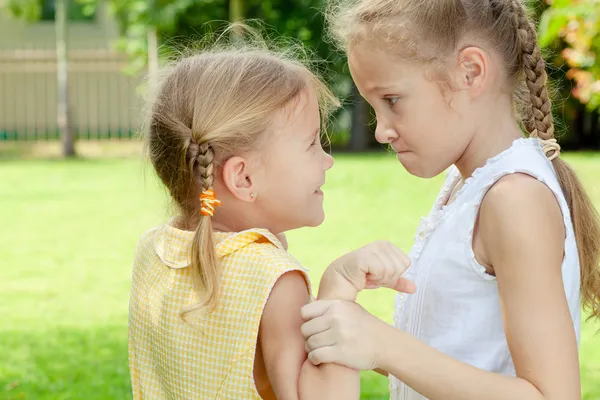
573	27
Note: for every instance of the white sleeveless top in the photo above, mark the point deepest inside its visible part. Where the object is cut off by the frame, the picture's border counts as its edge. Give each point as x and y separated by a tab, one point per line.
456	308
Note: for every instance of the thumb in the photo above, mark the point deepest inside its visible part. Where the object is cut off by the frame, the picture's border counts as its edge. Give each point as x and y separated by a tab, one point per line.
405	286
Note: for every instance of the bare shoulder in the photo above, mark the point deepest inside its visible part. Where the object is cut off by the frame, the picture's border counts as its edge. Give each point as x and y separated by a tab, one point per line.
520	212
292	283
519	187
290	291
518	196
280	336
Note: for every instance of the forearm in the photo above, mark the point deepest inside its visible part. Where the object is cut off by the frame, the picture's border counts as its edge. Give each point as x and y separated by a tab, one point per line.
438	376
328	382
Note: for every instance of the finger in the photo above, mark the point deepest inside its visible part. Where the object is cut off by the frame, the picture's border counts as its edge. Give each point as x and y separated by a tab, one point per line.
406	258
401	267
315	326
398	254
315	309
405	286
384	266
374	266
323	355
398	273
323	339
392	264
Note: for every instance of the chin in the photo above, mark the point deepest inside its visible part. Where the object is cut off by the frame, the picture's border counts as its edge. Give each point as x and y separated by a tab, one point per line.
316	220
417	169
420	173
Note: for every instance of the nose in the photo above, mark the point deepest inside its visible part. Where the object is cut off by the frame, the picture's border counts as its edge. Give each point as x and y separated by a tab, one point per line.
327	161
385	134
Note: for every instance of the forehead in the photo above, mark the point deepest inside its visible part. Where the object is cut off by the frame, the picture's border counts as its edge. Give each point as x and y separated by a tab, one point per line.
302	110
371	67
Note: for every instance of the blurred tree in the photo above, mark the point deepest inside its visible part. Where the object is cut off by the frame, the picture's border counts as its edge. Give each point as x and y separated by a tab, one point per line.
63	113
571	29
576	25
59	11
147	25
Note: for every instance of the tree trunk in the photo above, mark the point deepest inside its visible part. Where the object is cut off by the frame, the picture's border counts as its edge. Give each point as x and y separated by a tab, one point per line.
236	14
236	10
152	59
359	131
62	80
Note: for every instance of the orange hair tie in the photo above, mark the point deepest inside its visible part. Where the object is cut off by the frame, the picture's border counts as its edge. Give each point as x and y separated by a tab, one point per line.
208	201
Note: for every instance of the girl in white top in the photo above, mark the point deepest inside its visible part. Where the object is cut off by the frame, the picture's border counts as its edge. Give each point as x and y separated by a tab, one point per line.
512	241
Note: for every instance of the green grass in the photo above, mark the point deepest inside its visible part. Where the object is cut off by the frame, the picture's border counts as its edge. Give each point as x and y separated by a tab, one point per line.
66	244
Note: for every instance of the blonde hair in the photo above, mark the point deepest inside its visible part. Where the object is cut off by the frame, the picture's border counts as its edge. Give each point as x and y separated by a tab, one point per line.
209	107
430	30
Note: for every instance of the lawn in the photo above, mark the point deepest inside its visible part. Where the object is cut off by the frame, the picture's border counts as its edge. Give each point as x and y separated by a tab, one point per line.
67	238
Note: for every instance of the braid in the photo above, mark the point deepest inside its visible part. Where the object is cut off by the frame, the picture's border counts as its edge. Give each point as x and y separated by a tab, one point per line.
539	121
201	156
205	165
205	262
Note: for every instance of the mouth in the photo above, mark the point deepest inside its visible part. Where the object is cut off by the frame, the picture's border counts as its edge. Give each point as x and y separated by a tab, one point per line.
319	191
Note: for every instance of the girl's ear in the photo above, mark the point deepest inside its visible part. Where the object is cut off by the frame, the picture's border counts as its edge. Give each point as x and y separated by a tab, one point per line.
238	176
472	72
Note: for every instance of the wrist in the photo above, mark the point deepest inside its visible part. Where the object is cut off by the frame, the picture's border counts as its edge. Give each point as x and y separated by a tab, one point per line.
334	286
337	294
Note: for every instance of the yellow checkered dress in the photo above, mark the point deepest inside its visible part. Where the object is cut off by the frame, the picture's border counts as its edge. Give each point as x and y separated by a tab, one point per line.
213	356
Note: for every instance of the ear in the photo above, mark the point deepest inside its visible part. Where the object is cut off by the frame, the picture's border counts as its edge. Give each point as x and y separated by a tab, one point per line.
472	74
237	174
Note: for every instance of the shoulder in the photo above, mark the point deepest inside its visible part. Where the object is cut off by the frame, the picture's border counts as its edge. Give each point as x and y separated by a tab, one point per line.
259	256
520	212
275	262
258	246
146	242
518	196
148	236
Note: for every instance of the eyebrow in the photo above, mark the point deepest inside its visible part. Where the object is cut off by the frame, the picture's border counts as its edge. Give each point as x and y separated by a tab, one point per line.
380	88
398	90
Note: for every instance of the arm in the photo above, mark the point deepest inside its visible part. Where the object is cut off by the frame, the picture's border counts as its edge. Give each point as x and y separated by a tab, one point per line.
523	242
291	376
377	264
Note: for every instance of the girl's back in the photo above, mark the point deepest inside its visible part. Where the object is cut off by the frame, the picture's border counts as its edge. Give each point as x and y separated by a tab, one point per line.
206	357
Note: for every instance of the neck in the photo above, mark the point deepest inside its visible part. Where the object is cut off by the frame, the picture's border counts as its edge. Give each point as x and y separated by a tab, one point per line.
236	217
221	227
489	140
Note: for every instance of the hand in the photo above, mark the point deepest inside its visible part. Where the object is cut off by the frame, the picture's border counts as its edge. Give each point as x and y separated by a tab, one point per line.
342	332
379	264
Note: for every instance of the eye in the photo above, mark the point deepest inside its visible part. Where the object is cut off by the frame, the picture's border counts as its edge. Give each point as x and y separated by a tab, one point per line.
391	100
